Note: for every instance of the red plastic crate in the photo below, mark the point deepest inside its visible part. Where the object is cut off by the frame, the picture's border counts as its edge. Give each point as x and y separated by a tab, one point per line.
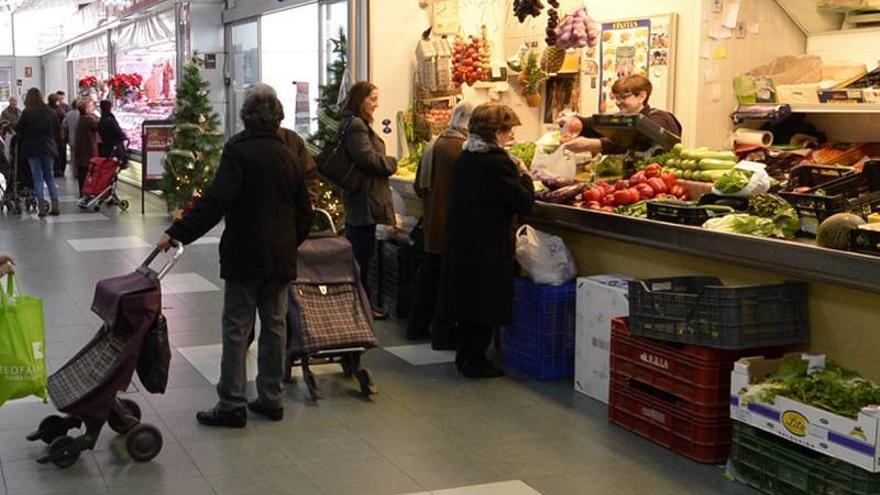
697	439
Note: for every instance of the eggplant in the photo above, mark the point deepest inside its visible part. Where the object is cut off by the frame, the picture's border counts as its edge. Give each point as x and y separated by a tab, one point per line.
564	195
553	183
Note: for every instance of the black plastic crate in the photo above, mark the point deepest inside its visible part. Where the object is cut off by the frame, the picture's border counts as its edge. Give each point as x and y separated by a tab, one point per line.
856	193
865	241
703	311
814	175
776	466
683	214
392	277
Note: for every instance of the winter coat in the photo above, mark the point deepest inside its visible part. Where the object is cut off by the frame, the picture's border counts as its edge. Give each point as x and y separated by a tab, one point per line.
371	204
259	188
435	201
111	134
476	282
85	141
297	146
39	130
11	115
68	126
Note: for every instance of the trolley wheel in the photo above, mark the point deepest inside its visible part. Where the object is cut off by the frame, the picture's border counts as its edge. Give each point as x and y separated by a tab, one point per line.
16	210
96	208
63	451
124	204
123	424
365	380
312	384
54	426
144	442
30	204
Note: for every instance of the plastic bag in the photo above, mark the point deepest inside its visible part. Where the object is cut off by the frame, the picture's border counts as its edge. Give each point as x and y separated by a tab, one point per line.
544	257
22	345
560	163
758	184
154	362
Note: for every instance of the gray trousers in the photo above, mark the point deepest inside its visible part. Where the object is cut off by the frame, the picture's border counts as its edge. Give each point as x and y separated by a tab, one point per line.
241	301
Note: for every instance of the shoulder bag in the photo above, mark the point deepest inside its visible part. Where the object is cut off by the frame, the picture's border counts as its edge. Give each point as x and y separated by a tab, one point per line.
336	166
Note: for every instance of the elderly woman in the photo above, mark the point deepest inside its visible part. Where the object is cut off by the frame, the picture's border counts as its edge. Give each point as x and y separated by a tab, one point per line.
433	179
489	189
85	139
260	190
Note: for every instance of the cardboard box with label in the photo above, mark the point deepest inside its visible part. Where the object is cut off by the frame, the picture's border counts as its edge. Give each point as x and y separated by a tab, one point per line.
855	441
599	299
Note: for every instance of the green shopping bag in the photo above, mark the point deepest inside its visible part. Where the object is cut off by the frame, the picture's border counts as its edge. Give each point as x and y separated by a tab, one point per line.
22	344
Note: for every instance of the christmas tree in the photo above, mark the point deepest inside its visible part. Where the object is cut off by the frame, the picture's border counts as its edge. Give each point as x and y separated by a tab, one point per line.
329	116
194	154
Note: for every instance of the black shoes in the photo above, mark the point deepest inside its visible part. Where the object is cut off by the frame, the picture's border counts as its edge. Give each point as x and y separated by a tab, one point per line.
477	368
228	419
271	414
379	314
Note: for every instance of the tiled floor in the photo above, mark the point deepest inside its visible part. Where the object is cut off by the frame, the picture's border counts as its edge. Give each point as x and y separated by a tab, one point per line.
428	431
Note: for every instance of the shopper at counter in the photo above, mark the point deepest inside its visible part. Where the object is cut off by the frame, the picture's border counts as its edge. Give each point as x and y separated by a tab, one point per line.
260	191
371	204
489	188
110	132
85	140
631	93
432	184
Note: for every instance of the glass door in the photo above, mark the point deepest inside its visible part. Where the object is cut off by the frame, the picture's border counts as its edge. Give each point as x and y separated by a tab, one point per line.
245	69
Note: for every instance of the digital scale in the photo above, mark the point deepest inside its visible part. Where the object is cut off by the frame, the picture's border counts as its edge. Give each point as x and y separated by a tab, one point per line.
634	131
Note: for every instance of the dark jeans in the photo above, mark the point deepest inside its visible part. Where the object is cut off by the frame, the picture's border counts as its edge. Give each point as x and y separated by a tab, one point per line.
241	301
41	171
473	342
363	244
81	173
425	299
61	162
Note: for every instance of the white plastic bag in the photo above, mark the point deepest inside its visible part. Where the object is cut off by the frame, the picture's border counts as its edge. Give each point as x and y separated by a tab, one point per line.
759	183
544	257
560	163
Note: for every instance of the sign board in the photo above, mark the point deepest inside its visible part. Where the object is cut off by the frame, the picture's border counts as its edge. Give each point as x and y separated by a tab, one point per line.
28	71
210	61
156	138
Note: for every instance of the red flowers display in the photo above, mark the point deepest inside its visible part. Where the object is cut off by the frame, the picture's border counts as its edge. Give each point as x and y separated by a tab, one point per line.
125	84
88	82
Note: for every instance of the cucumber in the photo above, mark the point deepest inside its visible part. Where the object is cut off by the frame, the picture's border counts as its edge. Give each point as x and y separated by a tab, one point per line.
689	164
679	173
673	162
677	149
719	155
715	164
688	174
711	175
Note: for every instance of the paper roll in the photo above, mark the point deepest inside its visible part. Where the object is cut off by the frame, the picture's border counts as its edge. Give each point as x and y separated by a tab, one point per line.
751	137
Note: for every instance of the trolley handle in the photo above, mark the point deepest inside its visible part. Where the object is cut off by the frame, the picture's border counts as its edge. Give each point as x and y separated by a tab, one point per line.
178	252
326	214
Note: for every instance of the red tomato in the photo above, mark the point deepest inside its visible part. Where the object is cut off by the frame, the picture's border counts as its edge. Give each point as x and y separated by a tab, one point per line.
608	200
669	179
653	170
601	183
638	178
645	191
622	197
621	185
634	194
595	194
608	209
657	185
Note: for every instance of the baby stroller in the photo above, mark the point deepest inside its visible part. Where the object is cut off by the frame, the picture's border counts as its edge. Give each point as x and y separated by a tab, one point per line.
19	194
85	388
100	185
329	319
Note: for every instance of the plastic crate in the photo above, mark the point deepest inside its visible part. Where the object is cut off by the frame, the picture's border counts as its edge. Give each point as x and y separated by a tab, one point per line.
814	175
540	341
702	311
392	277
702	440
779	467
865	241
698	376
855	193
693	215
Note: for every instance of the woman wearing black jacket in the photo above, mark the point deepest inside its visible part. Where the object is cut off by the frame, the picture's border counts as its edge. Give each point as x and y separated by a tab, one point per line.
109	130
371	204
37	129
489	189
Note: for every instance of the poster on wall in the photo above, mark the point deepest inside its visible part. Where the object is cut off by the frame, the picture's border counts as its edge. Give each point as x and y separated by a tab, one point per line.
638	46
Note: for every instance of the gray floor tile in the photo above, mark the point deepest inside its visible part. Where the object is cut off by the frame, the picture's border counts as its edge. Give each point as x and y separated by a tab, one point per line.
192	486
235	456
107	243
285	480
436	469
26	477
364	476
171	464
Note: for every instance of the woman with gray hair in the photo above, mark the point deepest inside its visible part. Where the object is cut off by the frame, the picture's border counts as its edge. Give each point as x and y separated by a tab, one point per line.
260	189
433	180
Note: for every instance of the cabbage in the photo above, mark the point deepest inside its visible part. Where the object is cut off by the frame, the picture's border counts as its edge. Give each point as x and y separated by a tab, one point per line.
741	223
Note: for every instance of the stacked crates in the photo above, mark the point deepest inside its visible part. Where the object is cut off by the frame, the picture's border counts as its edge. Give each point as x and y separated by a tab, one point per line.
392	277
671	360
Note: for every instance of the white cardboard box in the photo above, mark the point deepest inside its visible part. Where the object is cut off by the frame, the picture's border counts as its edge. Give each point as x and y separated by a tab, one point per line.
855	441
599	299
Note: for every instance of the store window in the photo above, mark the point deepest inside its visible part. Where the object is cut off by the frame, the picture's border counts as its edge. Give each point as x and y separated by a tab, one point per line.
245	65
145	48
334	19
290	63
6	33
88	59
5	86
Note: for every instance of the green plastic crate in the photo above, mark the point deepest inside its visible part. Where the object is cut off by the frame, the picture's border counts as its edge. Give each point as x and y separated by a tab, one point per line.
779	467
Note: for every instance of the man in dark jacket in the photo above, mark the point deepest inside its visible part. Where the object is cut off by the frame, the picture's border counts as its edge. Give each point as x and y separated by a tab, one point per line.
259	188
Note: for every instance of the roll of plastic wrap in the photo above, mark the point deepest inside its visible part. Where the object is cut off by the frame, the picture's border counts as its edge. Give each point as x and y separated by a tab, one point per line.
751	137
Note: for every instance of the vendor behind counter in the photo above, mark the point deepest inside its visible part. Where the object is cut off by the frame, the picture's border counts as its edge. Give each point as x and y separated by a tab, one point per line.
631	94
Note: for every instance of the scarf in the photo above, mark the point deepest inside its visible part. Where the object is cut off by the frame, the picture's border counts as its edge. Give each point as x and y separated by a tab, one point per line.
426	164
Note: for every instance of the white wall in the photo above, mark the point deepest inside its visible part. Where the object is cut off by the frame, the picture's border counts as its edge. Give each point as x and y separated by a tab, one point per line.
206	36
55	72
18	65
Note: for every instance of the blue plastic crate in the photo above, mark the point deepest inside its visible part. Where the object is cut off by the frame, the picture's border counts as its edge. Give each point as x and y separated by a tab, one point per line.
540	342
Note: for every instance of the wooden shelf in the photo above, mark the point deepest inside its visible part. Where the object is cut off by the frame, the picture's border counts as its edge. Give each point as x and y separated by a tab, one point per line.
837	108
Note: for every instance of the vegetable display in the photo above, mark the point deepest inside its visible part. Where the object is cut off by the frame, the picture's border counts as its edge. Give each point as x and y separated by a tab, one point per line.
471	59
783	215
834	389
699	164
524	151
742	223
733	181
834	232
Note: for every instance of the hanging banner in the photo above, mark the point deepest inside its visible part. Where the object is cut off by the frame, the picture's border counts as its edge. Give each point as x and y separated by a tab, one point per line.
302	116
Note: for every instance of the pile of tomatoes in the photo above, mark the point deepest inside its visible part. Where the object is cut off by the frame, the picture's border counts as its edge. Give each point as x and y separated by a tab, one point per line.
646	184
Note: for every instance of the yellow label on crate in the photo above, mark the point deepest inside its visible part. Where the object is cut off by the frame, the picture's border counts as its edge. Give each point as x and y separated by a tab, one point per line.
795	422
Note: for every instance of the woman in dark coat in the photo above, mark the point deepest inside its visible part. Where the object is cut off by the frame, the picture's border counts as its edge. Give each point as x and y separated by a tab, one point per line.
85	140
61	163
433	180
489	189
371	204
37	129
108	129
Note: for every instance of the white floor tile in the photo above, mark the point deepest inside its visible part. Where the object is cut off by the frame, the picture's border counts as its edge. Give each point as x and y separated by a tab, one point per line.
76	217
107	243
182	283
207	240
514	487
421	354
206	360
68	199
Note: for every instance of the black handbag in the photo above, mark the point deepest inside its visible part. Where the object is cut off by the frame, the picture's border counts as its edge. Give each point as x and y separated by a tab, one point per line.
337	167
154	361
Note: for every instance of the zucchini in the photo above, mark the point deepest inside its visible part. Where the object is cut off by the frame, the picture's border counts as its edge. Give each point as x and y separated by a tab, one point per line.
711	175
689	164
688	174
677	149
715	164
679	173
673	162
